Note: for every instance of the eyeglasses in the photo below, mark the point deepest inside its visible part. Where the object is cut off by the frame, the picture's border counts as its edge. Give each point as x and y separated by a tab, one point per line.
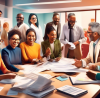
89	32
34	18
19	17
72	21
13	39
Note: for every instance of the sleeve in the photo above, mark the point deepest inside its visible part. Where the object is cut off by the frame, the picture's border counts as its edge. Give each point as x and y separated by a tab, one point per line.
62	36
82	37
97	76
6	61
43	48
59	55
3	67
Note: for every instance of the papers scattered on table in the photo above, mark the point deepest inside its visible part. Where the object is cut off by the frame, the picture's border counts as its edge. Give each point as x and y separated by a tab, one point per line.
82	79
11	92
1	88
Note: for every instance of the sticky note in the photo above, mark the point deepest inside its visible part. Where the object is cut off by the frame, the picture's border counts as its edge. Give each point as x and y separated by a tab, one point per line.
11	92
61	79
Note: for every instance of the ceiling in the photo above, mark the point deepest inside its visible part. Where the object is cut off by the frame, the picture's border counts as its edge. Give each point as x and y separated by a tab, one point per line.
45	6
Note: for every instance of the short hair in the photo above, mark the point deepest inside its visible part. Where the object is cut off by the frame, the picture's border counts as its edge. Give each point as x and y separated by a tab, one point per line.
13	32
5	25
55	14
0	11
95	27
31	30
70	14
48	30
20	13
37	24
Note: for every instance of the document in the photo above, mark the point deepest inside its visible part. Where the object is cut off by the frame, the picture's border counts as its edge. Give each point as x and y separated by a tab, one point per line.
11	92
1	88
82	79
72	46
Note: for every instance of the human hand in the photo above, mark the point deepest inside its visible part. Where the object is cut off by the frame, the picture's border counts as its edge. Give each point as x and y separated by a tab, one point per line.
57	59
48	52
92	67
67	45
91	75
19	67
51	60
76	43
77	63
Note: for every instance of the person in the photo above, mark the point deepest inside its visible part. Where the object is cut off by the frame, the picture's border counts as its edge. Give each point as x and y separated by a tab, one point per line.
4	35
21	26
52	44
0	13
55	23
11	55
74	34
92	61
93	75
29	49
34	23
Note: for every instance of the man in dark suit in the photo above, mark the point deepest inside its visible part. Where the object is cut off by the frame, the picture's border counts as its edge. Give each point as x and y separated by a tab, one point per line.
55	23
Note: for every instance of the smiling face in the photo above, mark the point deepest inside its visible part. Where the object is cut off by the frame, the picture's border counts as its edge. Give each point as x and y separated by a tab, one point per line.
31	37
14	41
56	19
33	19
52	36
20	18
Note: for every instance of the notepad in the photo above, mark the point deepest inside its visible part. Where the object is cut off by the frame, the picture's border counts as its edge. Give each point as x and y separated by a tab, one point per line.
72	91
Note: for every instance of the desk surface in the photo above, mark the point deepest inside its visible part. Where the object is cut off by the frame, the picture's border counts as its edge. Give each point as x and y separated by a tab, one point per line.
92	89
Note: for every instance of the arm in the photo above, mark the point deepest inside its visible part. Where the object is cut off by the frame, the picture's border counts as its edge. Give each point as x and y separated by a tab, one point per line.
5	57
39	57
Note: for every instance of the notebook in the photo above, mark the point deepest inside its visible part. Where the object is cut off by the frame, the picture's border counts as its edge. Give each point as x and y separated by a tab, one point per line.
82	79
72	91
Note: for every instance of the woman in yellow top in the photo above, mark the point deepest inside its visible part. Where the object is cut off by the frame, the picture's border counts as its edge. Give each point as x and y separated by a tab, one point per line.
29	49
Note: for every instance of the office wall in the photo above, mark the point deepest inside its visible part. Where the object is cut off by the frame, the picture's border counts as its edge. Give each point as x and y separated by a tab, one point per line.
98	16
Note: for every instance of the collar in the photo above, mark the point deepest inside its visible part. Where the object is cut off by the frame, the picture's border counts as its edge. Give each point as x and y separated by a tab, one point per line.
68	26
97	41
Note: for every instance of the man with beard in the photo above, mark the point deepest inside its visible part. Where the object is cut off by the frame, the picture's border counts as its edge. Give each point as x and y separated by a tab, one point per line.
74	34
21	26
92	61
55	23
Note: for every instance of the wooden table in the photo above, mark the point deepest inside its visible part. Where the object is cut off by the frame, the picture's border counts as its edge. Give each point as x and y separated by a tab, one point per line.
92	89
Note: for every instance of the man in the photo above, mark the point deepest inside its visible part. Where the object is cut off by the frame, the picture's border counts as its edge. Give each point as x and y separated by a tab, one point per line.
74	34
93	56
55	23
21	26
0	13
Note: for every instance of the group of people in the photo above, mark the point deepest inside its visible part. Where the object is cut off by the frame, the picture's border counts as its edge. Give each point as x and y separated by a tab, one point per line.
26	44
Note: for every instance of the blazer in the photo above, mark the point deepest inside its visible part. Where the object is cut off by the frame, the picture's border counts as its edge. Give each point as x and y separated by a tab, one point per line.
89	57
57	48
58	28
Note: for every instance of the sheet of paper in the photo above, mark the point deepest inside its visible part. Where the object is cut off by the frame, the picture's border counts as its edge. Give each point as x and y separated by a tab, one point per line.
1	88
11	92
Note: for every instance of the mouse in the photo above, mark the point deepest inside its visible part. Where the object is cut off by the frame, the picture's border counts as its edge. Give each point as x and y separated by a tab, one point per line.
64	76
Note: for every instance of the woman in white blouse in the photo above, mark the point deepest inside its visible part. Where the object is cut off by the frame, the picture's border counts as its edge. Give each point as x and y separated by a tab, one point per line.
33	21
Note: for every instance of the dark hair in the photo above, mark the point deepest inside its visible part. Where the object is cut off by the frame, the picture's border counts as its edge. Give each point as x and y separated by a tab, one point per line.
31	30
70	14
55	14
48	30
13	32
0	11
37	24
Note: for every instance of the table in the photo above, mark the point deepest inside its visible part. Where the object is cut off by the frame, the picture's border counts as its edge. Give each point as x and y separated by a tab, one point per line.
92	88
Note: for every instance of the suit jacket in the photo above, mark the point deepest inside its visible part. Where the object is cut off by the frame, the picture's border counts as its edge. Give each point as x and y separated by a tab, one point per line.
57	48
58	28
89	58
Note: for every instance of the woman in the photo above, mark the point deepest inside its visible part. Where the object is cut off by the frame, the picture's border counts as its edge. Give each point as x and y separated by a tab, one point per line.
33	21
29	49
52	43
11	55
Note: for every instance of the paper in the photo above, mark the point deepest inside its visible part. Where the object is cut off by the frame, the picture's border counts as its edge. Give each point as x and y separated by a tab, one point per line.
61	79
1	88
72	46
11	92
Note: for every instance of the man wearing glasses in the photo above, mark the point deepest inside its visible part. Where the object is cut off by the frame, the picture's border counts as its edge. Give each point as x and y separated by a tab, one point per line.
21	26
74	34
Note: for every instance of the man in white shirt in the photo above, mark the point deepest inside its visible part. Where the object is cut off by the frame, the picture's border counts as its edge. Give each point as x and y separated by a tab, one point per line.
74	34
21	26
92	61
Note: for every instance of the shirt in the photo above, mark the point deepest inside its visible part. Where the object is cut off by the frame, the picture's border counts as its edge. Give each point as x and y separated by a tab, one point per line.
22	28
76	33
39	35
11	57
55	26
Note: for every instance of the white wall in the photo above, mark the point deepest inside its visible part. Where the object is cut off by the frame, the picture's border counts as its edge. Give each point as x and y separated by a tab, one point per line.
98	16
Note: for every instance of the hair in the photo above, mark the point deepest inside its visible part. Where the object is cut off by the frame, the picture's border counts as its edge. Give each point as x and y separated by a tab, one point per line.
5	25
55	14
31	30
37	24
95	27
0	11
21	14
13	32
70	14
48	30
